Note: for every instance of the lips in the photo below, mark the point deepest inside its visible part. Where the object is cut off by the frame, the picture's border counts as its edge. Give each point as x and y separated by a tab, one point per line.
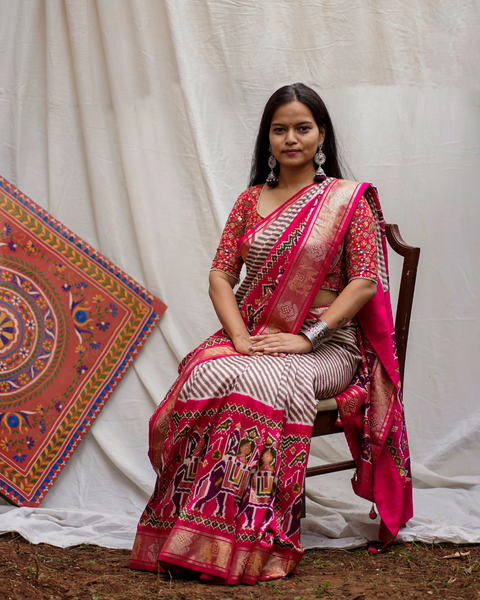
291	152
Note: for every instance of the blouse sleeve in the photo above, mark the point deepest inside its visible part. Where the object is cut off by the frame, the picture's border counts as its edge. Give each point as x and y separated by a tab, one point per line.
227	258
361	244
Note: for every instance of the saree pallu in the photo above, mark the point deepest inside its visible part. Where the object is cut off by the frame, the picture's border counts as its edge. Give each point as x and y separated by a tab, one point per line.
230	441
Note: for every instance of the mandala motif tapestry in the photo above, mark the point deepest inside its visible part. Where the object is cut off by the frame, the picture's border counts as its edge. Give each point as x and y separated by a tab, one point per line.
71	324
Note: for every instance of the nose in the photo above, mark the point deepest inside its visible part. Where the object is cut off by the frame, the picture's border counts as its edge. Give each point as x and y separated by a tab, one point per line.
291	137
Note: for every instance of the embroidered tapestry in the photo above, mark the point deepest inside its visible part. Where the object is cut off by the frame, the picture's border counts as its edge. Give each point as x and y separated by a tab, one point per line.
71	324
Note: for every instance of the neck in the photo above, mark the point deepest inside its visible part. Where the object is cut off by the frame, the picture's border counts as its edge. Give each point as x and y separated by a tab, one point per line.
296	178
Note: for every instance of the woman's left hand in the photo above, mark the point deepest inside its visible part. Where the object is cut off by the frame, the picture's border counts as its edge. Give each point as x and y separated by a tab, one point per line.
280	344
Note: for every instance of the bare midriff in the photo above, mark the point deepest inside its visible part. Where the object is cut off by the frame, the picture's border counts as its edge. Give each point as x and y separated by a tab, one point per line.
324	297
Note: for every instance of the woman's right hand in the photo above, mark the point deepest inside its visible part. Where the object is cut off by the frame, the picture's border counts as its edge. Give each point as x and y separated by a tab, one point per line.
243	345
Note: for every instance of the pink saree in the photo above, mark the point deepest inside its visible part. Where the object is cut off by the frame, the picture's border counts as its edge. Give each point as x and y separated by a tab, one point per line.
230	441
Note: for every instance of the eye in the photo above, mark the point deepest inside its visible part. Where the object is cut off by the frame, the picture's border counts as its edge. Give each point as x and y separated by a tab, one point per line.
278	129
304	128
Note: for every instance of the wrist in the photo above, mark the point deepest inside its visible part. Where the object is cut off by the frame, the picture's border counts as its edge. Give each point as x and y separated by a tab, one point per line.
318	334
305	337
238	338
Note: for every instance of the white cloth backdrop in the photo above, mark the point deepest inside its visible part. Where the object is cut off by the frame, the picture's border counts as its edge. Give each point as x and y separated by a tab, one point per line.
133	123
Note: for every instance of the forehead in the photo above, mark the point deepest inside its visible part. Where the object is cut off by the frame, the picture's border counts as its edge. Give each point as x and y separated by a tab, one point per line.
293	112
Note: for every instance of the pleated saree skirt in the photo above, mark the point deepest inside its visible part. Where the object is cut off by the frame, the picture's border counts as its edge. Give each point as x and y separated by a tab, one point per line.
227	502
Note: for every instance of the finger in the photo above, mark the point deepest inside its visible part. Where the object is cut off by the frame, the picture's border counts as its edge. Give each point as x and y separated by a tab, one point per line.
257	348
275	351
261	338
260	346
277	347
267	344
265	350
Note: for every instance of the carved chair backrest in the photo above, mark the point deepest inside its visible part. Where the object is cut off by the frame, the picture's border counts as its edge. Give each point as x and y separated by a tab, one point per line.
411	255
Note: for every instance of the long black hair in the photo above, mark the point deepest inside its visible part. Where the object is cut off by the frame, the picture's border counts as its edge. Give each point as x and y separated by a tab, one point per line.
285	95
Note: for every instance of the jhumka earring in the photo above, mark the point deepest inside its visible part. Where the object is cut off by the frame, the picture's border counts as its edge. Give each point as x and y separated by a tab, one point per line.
320	159
272	180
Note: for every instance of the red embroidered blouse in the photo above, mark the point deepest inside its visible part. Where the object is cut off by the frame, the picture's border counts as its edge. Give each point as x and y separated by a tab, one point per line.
356	257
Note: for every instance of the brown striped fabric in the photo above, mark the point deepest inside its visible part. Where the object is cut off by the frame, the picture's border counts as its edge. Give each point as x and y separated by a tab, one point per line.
292	384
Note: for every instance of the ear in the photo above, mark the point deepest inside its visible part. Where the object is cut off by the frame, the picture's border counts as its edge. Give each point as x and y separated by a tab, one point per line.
321	134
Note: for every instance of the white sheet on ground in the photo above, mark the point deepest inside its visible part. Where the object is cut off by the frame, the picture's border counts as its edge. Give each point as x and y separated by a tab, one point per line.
133	123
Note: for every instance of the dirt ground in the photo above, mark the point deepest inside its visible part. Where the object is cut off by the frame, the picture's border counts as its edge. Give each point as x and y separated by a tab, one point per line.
29	571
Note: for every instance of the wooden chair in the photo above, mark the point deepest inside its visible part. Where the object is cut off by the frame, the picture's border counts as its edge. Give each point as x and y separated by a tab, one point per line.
327	409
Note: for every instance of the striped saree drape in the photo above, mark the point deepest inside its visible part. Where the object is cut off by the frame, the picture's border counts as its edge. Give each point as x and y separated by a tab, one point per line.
231	439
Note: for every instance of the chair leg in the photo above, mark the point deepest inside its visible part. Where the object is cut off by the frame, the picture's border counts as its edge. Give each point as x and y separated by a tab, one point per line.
303	513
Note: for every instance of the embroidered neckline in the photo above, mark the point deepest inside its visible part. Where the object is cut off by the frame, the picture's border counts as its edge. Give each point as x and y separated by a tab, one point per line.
258	202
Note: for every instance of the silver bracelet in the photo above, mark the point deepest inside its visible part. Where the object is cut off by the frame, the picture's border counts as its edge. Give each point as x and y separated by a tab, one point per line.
318	334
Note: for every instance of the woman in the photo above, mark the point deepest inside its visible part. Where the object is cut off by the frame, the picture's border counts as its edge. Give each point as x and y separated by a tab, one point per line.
310	320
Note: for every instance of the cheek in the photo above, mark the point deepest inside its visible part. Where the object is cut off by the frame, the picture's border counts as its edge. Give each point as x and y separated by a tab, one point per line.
274	140
275	145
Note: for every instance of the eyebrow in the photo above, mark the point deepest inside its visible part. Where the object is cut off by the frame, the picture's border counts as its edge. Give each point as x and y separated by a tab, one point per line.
301	123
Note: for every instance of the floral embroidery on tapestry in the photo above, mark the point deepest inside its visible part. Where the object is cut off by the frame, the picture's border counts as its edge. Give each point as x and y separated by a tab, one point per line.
70	325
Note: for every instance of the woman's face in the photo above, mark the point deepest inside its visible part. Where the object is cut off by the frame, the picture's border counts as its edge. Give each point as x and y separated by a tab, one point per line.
294	135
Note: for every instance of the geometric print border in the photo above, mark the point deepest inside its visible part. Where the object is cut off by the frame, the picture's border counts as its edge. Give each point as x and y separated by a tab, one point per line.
71	323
